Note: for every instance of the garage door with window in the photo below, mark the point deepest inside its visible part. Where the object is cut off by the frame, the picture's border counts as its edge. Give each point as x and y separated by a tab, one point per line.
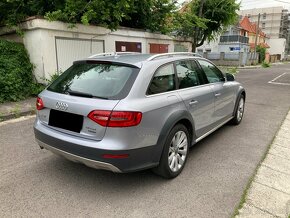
128	46
69	50
158	48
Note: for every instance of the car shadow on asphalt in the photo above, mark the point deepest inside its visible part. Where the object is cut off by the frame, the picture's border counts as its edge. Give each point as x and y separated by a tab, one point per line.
79	175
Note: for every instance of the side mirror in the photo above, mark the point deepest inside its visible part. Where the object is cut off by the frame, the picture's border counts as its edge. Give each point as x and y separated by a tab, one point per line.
230	77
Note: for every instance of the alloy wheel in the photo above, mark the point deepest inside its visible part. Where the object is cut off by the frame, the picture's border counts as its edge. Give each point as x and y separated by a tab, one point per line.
240	110
177	151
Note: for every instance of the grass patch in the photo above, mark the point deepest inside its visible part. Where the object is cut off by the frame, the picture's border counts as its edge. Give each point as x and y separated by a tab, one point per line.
1	117
226	69
232	70
16	110
246	190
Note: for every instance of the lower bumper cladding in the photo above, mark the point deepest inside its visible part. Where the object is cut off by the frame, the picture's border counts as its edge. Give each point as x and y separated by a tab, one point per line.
90	163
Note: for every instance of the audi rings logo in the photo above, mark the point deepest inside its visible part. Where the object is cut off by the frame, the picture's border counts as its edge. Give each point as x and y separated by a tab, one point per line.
61	106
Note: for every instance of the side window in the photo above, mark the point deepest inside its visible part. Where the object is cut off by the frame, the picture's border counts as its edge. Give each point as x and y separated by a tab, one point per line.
212	73
187	73
163	80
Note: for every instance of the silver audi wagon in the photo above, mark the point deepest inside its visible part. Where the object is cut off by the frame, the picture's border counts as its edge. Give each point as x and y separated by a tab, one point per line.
125	112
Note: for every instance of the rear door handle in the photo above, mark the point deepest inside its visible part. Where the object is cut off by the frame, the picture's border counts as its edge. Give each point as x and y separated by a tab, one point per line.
217	94
193	102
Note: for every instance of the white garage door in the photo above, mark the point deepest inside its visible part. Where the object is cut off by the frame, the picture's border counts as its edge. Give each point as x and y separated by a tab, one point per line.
69	50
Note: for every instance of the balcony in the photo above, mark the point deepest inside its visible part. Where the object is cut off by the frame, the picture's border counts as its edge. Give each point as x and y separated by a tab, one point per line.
234	38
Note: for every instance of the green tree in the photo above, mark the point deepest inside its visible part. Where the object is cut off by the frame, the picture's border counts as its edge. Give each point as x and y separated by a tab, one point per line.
12	12
98	12
208	19
262	53
153	15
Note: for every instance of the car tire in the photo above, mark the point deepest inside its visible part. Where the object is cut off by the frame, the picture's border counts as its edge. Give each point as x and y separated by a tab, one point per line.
174	153
239	112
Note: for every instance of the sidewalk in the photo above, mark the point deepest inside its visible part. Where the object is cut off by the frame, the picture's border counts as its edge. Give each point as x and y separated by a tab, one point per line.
269	193
16	109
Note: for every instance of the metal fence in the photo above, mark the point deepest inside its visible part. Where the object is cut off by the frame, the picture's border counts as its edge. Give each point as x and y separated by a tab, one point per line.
253	56
232	56
213	56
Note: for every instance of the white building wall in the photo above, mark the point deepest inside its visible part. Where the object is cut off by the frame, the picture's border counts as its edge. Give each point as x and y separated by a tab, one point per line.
41	35
277	46
211	46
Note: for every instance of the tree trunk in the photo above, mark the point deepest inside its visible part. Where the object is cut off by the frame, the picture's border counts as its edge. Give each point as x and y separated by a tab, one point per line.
196	34
193	46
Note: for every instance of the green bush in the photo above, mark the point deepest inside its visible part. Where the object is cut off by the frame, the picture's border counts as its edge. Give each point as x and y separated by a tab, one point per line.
53	77
16	72
262	53
265	64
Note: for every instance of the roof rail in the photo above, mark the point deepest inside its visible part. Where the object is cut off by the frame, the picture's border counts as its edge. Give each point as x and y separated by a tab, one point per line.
112	54
173	54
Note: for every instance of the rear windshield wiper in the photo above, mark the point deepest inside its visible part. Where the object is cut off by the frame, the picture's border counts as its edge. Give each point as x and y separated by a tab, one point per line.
83	94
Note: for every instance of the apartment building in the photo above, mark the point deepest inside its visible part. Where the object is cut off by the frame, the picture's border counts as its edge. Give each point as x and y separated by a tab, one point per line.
274	22
288	39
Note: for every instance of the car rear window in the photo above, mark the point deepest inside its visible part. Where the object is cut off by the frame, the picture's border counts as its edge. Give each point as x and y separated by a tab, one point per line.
99	80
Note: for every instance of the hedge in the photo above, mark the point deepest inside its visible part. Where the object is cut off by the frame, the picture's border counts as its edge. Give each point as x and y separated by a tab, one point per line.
16	72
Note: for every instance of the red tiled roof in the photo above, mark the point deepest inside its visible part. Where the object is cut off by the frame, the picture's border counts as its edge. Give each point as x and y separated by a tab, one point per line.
251	27
246	24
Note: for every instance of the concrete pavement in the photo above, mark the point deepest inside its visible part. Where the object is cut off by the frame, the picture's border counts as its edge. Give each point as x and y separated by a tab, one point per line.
269	193
12	110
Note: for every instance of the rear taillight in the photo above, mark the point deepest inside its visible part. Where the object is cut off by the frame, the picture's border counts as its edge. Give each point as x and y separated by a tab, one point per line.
116	118
39	104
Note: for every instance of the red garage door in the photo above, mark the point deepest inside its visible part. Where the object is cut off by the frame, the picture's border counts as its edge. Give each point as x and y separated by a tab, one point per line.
128	46
158	48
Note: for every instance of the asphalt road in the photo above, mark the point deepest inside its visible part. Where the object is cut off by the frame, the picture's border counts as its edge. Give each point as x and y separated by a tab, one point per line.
36	183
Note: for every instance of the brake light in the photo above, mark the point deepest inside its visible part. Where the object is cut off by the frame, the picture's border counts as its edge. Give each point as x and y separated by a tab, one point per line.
116	118
39	104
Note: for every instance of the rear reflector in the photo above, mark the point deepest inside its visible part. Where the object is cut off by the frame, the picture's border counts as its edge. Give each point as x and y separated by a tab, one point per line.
39	104
115	118
115	156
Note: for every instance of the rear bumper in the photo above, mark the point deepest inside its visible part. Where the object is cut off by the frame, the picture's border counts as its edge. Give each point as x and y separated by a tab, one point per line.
92	156
78	159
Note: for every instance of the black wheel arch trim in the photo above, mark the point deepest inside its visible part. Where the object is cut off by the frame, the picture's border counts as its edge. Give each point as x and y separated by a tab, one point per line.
241	92
172	120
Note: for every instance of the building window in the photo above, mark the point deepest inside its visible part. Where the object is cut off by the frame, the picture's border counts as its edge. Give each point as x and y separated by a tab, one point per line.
264	16
263	25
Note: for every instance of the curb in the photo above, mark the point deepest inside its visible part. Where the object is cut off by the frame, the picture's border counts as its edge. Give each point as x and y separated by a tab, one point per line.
250	67
268	193
16	115
12	110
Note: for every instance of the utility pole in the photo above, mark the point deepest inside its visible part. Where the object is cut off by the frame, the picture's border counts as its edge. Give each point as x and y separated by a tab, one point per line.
257	34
